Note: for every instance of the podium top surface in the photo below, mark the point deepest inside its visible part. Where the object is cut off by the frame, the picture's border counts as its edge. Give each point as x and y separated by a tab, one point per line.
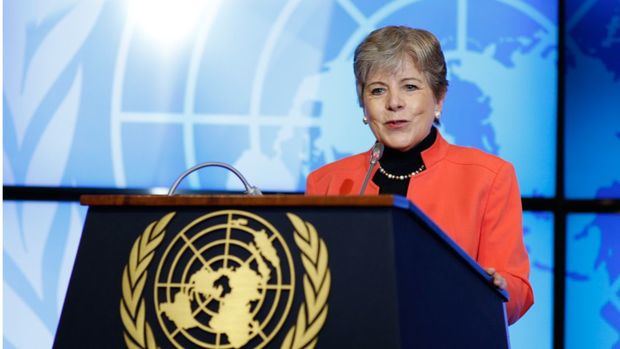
242	200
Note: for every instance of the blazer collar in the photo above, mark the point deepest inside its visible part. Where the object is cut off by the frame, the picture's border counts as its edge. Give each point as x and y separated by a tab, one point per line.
436	152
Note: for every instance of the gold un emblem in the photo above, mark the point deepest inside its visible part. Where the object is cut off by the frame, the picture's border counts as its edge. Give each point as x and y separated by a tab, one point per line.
226	280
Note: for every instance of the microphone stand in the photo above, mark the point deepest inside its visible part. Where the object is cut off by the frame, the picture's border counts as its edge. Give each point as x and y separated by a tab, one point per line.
377	152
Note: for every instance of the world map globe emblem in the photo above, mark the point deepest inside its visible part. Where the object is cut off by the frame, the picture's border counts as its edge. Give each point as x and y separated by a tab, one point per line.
226	280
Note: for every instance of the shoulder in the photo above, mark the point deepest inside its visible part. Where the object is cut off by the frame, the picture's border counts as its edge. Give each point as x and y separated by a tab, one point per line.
320	180
342	166
475	158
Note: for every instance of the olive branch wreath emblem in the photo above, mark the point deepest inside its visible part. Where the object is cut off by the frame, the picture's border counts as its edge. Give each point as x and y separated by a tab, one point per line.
138	333
311	315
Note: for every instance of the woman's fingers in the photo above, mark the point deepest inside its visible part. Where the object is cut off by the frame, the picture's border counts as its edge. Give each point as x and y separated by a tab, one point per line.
498	279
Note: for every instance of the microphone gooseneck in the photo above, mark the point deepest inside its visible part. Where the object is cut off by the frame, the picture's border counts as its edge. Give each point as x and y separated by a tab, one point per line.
375	155
249	189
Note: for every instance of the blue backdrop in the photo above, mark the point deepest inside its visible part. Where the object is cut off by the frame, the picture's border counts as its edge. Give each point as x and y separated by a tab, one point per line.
121	94
592	165
592	171
96	96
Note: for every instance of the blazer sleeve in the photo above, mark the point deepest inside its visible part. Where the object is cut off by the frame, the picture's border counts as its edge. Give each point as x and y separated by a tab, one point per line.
312	187
501	241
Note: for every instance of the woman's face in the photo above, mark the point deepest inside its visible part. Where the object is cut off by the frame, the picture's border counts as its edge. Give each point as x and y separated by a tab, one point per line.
400	107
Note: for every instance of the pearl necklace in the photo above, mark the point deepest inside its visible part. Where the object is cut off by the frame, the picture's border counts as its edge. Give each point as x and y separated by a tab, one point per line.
401	177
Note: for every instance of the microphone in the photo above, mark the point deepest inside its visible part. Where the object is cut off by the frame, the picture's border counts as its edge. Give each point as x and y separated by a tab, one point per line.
375	155
249	189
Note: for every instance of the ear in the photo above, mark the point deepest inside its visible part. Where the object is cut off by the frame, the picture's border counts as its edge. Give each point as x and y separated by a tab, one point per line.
364	113
439	107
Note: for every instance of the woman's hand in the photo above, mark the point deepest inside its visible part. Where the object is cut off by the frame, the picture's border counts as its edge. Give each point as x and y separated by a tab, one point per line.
498	279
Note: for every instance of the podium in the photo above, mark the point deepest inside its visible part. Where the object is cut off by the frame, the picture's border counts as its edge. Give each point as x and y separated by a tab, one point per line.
276	272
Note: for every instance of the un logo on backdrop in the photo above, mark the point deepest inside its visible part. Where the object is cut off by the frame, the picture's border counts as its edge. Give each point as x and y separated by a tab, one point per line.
301	93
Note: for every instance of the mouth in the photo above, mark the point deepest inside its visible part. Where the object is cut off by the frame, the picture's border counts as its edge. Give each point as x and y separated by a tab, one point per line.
396	123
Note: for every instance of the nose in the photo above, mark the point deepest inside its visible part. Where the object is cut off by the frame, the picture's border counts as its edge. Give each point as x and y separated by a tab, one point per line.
395	102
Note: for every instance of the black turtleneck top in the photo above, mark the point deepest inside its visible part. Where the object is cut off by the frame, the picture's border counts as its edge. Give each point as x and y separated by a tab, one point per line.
401	163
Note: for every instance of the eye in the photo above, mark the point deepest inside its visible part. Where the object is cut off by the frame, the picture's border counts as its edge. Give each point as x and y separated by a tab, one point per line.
411	87
377	91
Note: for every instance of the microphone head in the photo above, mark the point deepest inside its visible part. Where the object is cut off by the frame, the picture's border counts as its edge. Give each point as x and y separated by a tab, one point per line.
377	152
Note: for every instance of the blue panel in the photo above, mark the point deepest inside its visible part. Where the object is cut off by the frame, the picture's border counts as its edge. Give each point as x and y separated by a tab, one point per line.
155	82
514	116
226	71
592	91
80	75
592	279
210	140
153	153
535	328
40	244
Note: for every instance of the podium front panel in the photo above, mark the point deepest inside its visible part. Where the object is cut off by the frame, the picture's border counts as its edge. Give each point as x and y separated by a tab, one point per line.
231	277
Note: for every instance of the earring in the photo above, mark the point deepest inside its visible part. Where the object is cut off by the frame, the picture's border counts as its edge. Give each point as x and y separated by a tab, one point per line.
365	120
437	112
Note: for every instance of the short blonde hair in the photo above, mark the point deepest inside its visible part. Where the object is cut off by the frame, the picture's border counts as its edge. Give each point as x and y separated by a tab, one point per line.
388	47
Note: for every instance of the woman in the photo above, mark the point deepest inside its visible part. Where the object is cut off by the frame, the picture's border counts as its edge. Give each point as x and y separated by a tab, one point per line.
473	196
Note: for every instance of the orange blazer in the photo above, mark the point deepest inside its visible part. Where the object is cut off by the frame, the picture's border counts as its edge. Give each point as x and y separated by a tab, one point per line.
473	196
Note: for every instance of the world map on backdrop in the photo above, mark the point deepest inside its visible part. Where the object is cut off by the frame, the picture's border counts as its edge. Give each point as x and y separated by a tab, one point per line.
593	242
297	117
156	111
592	91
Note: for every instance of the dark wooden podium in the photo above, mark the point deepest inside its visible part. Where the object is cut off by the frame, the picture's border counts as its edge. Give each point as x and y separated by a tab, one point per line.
274	271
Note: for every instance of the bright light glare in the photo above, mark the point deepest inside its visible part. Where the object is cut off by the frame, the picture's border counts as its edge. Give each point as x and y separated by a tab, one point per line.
169	20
